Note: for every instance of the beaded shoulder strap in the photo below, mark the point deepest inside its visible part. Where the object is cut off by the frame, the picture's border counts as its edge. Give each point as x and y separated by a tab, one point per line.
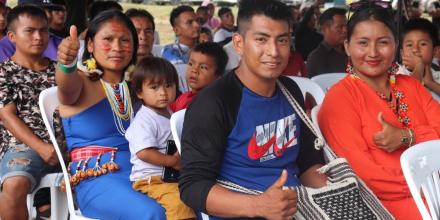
319	141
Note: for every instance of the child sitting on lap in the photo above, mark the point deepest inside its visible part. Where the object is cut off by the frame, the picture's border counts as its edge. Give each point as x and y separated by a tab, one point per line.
154	85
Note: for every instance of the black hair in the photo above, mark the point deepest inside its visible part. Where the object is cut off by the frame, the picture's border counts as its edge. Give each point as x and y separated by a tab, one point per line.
155	69
100	6
4	7
57	5
175	13
202	8
327	15
423	25
273	9
206	30
31	10
372	13
215	51
223	11
104	17
134	12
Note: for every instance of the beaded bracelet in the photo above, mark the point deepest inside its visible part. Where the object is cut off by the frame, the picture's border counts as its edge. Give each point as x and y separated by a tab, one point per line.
68	69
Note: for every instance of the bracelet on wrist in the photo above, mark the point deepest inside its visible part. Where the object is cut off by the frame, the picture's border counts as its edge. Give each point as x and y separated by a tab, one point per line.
405	141
68	69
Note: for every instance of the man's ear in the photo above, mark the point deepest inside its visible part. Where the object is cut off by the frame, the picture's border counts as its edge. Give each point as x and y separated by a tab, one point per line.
238	42
176	30
11	36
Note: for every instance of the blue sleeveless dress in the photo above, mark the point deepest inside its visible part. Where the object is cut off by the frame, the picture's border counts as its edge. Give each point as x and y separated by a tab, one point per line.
108	196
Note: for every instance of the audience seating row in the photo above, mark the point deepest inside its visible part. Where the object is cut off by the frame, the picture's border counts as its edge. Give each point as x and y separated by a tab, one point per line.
418	163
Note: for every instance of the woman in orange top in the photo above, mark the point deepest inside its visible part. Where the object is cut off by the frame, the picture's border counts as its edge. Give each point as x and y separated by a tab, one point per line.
372	115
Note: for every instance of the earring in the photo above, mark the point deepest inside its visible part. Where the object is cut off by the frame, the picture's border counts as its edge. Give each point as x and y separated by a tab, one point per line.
392	72
91	63
393	69
349	68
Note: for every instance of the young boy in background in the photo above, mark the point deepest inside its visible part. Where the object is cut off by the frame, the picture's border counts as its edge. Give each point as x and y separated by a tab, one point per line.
206	64
419	43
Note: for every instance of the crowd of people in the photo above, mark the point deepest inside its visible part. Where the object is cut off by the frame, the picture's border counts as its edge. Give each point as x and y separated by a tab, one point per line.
117	96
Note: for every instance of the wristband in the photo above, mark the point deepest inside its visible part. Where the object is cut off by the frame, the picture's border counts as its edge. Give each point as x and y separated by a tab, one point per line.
405	139
68	69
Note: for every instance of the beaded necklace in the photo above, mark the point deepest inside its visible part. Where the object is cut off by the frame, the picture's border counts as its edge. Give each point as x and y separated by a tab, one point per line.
396	101
118	96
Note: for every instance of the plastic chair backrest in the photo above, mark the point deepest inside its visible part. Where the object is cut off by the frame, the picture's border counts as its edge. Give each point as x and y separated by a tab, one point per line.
327	80
157	50
233	57
420	166
181	72
176	122
314	115
48	102
308	86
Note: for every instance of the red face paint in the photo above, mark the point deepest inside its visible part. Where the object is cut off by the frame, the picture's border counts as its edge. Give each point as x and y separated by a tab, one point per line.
113	45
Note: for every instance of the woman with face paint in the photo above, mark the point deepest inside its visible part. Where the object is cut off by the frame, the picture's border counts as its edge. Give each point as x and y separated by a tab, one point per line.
96	111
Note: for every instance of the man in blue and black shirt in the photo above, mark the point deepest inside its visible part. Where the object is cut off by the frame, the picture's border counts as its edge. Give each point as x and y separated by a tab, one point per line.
243	130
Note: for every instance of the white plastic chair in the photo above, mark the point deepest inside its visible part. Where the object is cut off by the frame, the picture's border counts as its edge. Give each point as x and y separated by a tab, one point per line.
157	50
308	86
48	102
233	57
176	122
314	115
57	198
328	80
181	72
420	165
156	38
